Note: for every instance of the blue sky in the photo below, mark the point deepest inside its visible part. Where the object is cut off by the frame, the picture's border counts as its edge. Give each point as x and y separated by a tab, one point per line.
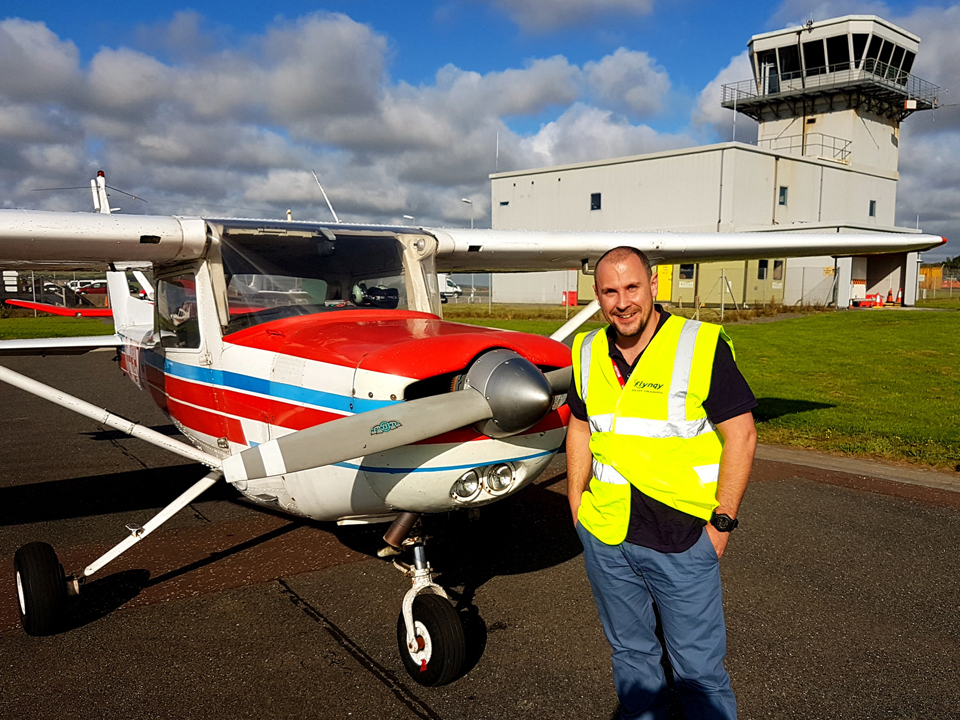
227	105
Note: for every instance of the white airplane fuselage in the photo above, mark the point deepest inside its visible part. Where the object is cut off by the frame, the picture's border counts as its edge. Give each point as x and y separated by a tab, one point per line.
228	390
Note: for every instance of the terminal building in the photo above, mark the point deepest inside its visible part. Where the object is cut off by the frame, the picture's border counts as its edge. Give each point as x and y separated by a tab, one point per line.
828	98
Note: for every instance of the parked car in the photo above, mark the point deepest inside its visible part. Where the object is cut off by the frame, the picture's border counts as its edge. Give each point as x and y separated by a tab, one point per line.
97	287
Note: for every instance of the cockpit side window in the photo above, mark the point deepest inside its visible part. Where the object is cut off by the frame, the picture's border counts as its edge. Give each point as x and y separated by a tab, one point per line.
176	302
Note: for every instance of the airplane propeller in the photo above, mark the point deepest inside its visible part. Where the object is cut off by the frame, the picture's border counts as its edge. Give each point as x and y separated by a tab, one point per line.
502	394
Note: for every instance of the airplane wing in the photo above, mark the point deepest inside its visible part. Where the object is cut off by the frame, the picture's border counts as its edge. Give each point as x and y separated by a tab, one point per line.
466	250
58	240
46	240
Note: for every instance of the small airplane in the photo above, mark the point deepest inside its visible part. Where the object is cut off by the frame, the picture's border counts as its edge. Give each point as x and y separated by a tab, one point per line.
309	366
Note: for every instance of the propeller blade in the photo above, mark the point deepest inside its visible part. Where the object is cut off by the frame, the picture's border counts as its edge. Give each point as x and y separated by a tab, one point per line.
358	435
559	379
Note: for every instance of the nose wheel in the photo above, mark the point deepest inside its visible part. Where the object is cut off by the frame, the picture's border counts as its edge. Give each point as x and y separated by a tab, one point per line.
430	636
41	588
436	653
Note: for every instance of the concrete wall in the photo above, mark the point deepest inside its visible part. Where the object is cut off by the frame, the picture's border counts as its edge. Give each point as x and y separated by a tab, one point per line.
543	288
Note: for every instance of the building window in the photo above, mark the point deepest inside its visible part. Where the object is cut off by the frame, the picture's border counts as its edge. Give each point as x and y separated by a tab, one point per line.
762	269
778	269
783	195
595	201
873	208
686	272
504	203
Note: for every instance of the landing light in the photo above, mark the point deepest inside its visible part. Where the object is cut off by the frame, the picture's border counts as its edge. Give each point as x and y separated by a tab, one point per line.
467	486
498	478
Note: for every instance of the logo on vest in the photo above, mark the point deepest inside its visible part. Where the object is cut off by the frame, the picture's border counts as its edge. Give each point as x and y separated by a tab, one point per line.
648	387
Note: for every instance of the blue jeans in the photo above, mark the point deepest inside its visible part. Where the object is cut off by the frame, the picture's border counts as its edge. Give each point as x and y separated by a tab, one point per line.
627	580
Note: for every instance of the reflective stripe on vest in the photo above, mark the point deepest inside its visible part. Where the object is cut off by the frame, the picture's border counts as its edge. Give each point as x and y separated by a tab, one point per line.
652	432
585	349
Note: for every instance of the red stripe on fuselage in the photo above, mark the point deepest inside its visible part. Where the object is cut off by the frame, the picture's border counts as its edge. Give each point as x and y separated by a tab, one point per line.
208	423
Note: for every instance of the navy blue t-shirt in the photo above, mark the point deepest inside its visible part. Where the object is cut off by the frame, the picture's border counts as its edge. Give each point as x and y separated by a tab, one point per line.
653	524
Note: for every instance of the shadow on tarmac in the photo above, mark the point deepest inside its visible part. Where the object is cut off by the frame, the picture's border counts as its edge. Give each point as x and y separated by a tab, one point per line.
101	597
103	494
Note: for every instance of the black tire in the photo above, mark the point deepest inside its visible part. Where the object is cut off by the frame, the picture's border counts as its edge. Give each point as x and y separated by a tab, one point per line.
41	588
440	628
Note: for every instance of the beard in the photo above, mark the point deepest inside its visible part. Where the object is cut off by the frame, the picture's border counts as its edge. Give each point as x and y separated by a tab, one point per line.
632	326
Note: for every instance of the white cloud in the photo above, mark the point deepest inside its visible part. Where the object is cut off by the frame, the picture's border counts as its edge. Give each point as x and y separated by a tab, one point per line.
585	133
629	81
36	63
547	15
710	114
201	128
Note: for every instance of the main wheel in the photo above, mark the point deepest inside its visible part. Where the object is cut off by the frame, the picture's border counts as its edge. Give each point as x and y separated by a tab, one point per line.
41	588
441	646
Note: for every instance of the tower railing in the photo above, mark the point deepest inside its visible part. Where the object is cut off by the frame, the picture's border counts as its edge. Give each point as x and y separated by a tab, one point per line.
811	144
871	74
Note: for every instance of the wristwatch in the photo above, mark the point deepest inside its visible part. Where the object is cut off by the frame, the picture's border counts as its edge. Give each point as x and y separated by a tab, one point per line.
724	523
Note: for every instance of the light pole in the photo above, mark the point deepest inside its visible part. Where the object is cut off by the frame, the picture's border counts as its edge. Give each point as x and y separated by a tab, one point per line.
470	203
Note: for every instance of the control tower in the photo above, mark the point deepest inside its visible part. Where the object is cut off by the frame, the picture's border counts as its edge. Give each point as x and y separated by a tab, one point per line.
834	90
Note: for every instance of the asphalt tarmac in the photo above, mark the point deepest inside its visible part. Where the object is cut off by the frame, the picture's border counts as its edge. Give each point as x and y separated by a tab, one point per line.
841	589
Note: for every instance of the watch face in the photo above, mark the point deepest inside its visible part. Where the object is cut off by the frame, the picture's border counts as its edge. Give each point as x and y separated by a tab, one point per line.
724	523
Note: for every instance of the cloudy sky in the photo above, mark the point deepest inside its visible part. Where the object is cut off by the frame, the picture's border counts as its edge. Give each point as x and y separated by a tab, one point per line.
225	108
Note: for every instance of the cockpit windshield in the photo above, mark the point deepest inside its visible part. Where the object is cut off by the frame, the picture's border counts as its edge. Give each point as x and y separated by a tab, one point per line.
270	277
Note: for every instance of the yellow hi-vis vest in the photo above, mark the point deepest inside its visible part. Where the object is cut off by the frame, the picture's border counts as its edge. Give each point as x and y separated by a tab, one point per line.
653	433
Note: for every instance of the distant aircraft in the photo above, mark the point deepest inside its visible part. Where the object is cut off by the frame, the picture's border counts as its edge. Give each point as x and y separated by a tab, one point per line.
309	366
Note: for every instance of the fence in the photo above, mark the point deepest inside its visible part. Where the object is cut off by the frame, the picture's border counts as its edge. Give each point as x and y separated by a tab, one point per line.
947	287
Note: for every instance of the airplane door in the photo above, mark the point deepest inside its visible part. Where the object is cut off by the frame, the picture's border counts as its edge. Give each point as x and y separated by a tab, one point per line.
186	328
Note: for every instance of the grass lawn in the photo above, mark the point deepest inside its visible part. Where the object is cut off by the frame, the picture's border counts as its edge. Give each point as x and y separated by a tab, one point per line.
945	302
46	326
882	384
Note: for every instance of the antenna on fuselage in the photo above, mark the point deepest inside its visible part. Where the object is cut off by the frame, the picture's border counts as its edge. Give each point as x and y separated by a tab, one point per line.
329	205
98	188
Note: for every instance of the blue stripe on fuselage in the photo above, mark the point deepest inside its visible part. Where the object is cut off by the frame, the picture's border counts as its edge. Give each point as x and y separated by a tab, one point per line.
269	388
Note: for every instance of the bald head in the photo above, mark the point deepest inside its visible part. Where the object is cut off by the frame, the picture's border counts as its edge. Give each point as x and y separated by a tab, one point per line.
622	252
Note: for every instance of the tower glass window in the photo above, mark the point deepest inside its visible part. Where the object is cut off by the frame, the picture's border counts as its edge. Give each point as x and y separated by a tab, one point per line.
872	53
859	45
789	62
895	61
814	59
838	53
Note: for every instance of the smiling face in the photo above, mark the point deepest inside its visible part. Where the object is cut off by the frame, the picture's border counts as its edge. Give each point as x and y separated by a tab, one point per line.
626	293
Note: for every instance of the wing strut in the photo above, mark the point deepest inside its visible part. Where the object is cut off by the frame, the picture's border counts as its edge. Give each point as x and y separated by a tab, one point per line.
574	323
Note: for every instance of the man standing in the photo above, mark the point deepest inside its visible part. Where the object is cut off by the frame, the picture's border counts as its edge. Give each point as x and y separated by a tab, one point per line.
659	451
